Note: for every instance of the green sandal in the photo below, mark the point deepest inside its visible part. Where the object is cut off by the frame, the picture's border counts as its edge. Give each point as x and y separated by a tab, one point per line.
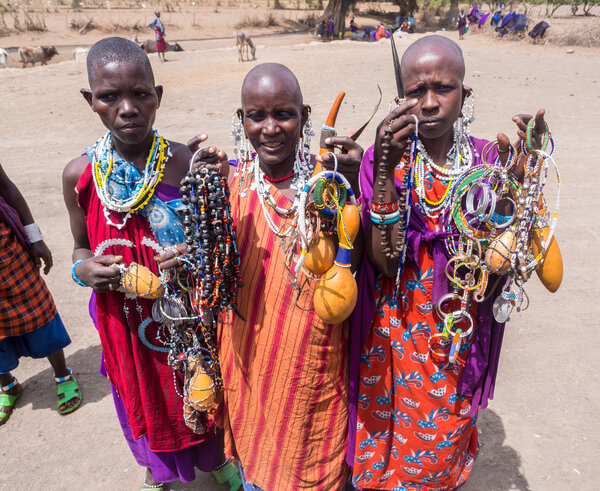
228	473
6	400
67	390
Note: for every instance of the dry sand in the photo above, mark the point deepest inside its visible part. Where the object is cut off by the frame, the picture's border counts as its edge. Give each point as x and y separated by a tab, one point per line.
541	430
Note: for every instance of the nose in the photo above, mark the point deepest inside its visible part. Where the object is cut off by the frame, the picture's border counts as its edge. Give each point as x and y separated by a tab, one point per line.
127	108
429	101
270	126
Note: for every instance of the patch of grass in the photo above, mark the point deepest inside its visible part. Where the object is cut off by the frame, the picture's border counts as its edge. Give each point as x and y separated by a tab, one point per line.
587	36
269	20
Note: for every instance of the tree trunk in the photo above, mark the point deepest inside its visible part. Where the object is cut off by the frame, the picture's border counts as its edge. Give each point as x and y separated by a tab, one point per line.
337	10
277	5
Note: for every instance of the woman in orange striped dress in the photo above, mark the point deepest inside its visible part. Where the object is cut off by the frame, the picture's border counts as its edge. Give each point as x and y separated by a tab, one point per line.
285	372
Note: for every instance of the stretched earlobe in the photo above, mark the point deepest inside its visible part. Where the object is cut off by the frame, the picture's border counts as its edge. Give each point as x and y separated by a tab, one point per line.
87	95
159	93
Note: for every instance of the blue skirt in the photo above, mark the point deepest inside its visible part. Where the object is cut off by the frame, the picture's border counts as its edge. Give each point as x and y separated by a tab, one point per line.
40	343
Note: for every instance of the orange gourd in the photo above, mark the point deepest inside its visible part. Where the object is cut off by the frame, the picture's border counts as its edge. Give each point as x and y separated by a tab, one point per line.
201	390
336	294
141	282
550	271
321	255
498	253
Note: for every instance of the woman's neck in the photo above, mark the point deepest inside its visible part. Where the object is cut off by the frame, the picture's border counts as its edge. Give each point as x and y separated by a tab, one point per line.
438	148
136	153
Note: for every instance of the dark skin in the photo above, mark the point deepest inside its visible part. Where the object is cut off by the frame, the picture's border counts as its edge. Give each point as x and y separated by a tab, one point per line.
40	253
126	100
433	75
273	115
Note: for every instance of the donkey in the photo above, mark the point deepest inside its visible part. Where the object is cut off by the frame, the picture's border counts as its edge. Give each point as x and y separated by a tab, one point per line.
243	43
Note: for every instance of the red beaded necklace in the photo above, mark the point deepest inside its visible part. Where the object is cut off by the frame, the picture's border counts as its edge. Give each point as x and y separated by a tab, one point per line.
281	179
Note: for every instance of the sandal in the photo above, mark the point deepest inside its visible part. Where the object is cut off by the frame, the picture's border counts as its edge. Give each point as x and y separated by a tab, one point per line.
228	473
67	389
7	400
158	487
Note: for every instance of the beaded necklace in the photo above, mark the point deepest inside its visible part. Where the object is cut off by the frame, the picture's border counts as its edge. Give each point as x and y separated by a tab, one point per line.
460	156
122	189
265	198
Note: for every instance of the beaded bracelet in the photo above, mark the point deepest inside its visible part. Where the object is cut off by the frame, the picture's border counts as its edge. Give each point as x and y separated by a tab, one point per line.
74	274
386	219
385	208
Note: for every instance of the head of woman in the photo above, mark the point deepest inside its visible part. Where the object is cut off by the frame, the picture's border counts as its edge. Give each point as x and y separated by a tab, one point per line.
433	70
273	116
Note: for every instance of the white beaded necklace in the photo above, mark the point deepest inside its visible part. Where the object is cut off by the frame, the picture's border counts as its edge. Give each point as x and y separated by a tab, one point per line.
262	188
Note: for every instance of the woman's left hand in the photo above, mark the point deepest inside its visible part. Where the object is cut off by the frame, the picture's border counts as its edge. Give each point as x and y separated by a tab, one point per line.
348	162
40	252
168	259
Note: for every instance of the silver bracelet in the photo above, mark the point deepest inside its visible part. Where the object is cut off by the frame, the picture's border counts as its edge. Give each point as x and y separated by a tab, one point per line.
33	232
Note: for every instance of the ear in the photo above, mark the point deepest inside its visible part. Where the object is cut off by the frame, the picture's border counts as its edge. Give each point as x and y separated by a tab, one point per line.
240	114
87	95
467	91
159	94
305	112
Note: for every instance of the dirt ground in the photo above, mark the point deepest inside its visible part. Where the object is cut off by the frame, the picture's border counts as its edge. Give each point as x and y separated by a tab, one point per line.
540	431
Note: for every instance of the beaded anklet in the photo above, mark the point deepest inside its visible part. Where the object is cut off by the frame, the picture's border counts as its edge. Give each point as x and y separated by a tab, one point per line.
6	388
60	380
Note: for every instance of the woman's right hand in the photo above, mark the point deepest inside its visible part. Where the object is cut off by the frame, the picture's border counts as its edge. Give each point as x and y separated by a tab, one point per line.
99	273
210	157
403	126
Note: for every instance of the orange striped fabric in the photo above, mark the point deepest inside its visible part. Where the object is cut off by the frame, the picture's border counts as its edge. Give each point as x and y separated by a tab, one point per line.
284	371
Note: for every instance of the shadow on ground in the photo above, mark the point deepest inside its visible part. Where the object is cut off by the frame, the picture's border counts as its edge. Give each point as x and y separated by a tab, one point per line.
498	466
40	389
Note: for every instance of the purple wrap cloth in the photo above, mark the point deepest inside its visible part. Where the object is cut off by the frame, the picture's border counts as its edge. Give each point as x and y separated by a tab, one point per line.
479	374
10	216
165	466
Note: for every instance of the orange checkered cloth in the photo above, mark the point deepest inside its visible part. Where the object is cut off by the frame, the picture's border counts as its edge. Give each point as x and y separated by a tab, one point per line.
25	302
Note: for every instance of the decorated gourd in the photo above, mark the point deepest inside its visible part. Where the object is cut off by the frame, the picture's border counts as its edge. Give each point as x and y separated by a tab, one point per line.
550	271
499	252
201	390
141	282
321	255
335	295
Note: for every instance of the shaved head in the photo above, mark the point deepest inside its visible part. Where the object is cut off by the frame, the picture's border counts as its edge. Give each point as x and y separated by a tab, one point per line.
437	46
268	77
116	50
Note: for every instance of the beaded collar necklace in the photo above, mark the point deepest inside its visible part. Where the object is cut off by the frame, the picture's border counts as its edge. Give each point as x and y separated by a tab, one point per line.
301	176
460	156
119	185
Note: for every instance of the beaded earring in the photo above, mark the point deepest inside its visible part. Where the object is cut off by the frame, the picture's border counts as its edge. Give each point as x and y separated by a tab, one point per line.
302	161
462	126
242	149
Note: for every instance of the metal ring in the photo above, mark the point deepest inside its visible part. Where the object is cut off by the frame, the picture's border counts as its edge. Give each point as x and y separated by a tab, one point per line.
194	156
483	202
110	287
463	315
438	306
335	163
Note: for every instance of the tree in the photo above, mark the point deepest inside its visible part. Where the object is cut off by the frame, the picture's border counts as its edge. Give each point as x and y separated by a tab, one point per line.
337	10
